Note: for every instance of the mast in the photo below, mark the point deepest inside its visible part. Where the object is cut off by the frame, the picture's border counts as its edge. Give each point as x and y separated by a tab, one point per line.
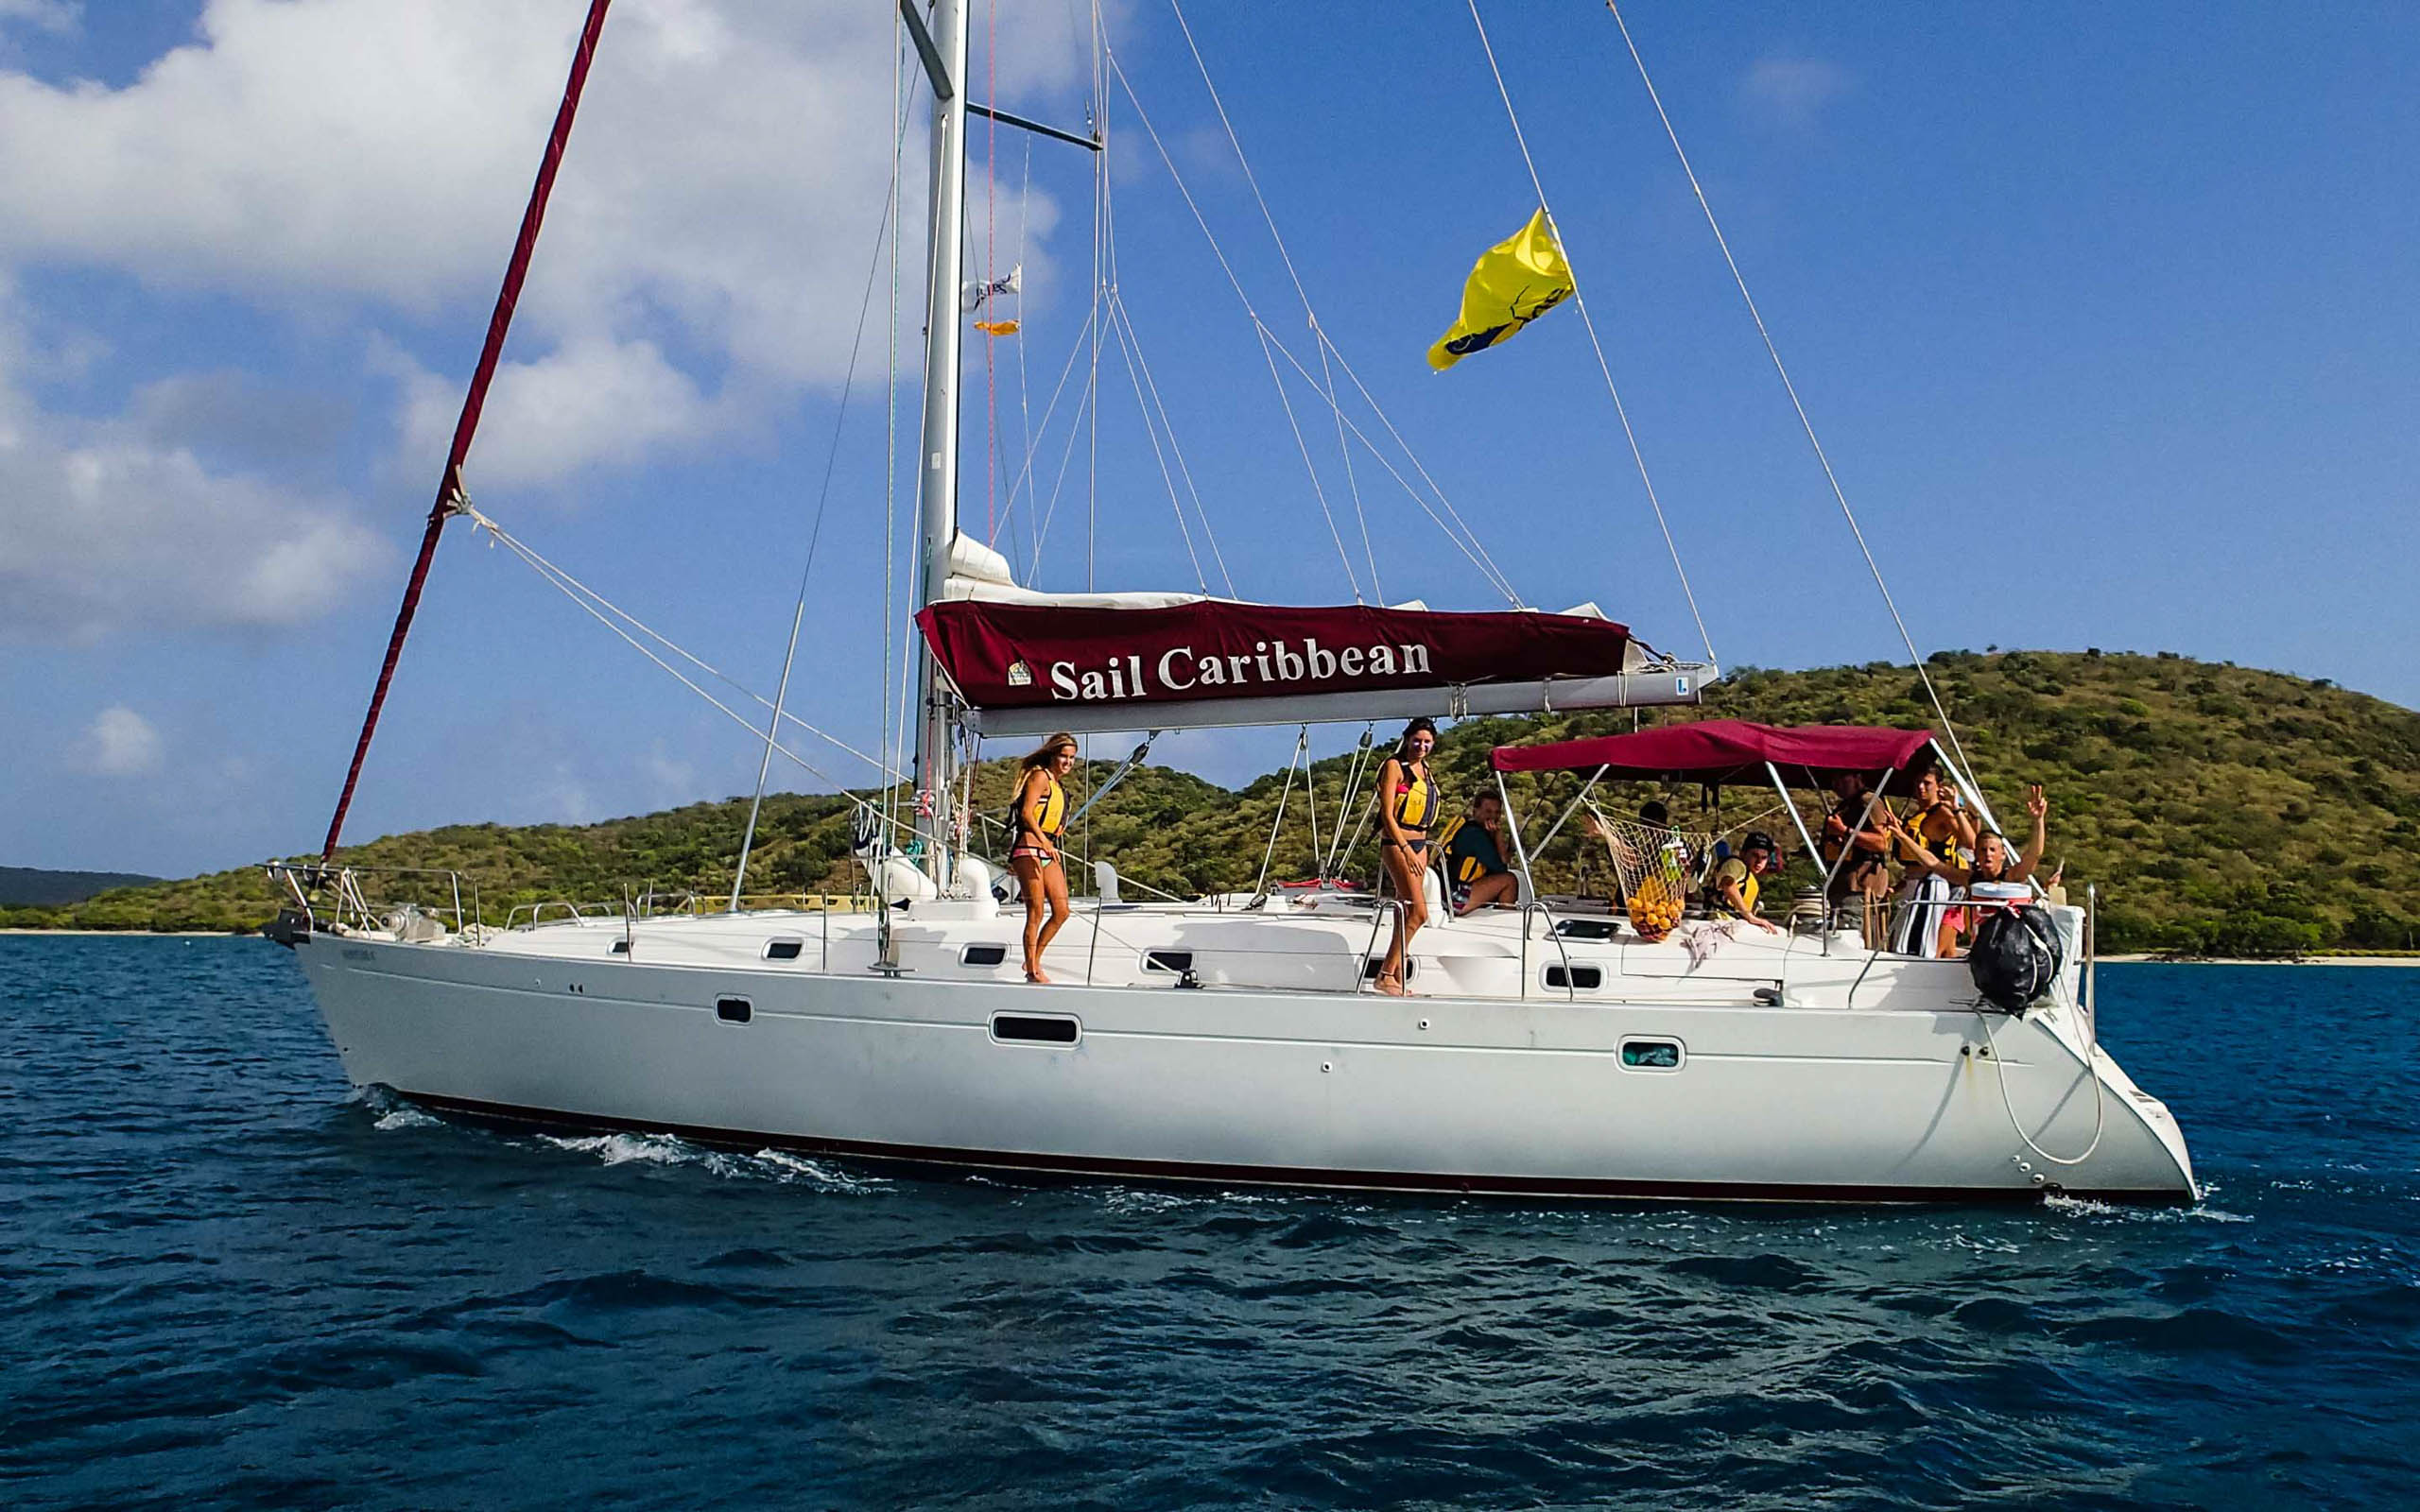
937	450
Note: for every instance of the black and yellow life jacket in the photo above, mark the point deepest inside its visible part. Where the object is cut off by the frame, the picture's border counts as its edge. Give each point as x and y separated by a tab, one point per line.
1415	800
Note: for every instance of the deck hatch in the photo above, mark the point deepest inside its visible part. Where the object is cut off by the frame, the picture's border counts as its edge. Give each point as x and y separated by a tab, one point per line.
1177	961
1035	1028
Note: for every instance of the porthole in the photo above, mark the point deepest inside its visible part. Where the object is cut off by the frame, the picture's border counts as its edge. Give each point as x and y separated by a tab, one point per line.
733	1010
784	950
1578	979
1652	1055
1035	1028
1179	962
983	956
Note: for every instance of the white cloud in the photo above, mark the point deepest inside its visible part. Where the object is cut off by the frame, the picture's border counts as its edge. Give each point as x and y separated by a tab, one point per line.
1793	91
121	743
42	15
105	526
592	402
710	228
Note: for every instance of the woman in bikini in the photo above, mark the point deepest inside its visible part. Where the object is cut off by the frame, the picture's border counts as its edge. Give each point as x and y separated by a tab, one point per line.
1042	817
1407	806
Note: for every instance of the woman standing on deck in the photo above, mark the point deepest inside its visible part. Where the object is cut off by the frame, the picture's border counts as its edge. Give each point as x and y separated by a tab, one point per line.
1041	818
1407	806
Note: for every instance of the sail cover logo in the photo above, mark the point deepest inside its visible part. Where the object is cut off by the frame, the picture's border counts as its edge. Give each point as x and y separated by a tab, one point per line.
1034	656
1270	665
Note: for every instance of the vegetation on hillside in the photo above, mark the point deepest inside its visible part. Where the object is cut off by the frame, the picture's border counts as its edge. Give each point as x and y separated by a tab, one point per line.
2221	810
31	885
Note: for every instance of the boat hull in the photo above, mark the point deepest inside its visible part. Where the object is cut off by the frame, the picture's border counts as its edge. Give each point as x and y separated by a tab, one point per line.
1523	1098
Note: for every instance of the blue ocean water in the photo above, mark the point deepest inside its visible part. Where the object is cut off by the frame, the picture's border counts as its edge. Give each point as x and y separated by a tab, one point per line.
228	1282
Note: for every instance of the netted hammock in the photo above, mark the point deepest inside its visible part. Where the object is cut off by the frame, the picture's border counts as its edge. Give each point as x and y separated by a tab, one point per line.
1659	870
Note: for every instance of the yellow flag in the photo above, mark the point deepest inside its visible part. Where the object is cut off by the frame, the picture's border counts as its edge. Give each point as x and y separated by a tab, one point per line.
1513	284
996	328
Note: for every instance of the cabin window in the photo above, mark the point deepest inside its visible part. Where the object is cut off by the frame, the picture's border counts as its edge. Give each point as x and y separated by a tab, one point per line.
733	1010
784	950
1578	979
1177	961
983	956
1372	968
1035	1028
1651	1055
621	947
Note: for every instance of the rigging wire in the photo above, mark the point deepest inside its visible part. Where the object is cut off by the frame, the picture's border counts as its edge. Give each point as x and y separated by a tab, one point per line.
1123	316
1581	300
1327	379
1772	350
1471	549
891	468
1260	327
582	595
586	597
1025	402
815	534
1034	435
1151	432
1066	460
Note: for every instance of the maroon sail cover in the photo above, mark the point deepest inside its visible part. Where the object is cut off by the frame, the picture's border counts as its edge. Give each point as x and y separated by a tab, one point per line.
1716	751
1014	656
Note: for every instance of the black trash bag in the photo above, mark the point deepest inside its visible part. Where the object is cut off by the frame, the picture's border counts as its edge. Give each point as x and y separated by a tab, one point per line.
2016	956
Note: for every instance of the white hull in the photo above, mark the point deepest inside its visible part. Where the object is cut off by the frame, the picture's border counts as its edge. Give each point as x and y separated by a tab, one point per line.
1867	1085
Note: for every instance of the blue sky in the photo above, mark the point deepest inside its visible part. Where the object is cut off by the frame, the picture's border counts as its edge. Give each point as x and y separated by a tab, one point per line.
2105	316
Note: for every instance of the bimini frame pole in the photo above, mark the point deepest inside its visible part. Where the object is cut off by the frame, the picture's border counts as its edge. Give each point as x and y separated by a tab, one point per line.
1796	819
449	486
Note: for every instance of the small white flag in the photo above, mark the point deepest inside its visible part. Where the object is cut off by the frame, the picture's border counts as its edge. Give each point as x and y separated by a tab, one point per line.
978	290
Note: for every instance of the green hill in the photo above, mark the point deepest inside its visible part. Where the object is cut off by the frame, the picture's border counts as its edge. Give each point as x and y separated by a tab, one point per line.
2221	810
34	885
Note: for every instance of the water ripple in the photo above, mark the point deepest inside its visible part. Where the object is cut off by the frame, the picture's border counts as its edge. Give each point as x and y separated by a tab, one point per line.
232	1284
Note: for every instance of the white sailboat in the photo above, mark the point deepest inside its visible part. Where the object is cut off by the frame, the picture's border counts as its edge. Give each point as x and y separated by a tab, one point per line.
1549	1049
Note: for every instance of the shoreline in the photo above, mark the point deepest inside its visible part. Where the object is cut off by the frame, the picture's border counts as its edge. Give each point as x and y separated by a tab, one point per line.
142	934
2244	960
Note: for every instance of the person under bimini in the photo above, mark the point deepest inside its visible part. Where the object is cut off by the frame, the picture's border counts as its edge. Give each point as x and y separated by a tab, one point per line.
1041	818
1992	861
1407	802
1731	893
1930	843
1472	852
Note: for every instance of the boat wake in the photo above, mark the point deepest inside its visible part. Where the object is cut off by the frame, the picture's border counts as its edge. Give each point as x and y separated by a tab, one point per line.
779	1166
2088	1207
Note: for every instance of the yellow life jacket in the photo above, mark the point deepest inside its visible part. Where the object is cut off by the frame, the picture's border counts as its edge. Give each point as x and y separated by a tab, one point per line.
1053	816
1414	800
1718	904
